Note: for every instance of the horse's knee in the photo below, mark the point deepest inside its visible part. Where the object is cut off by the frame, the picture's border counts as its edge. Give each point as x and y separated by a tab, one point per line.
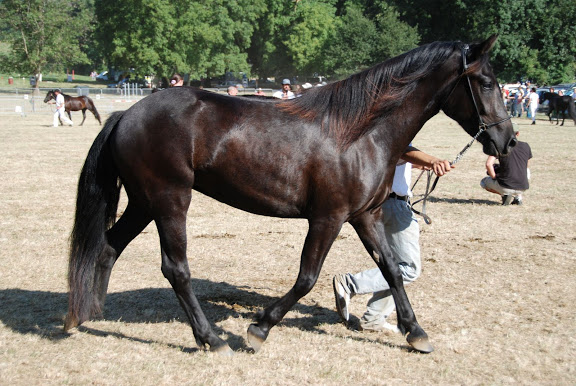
303	286
177	274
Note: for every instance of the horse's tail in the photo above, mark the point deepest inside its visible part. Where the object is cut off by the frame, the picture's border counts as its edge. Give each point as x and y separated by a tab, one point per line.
96	206
93	109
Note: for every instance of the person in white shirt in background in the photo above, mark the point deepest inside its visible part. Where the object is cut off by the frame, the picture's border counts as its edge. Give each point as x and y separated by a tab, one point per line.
60	110
286	92
533	100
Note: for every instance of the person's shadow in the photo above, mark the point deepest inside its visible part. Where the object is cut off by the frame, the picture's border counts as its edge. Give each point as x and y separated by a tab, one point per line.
465	201
42	312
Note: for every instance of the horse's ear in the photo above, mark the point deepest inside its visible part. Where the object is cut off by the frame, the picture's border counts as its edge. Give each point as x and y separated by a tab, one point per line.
488	44
483	48
477	50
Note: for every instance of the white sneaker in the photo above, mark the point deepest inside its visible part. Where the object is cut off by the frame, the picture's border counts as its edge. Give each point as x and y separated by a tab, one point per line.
379	326
342	296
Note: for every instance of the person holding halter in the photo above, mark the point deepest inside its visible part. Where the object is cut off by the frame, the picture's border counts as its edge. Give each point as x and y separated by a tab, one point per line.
60	113
402	234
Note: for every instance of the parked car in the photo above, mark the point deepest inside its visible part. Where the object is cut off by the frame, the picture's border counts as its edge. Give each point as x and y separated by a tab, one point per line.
120	83
542	107
566	88
102	76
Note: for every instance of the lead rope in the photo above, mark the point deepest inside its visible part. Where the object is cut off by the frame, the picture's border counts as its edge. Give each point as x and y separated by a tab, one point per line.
464	49
429	173
481	128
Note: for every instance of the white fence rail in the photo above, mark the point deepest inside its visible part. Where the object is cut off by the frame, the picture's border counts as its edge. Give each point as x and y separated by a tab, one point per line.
27	101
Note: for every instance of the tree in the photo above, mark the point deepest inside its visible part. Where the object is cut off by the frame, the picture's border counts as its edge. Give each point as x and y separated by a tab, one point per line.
394	35
311	26
365	36
553	38
350	48
535	36
162	36
44	34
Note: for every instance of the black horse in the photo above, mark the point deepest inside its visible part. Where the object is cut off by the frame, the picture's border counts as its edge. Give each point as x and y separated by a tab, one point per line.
559	104
328	156
75	104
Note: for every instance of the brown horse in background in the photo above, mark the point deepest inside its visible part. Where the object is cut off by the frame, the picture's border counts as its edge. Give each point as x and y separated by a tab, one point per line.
75	104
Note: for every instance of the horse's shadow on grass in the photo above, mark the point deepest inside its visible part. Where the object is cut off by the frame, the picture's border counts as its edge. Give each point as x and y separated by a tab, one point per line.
41	312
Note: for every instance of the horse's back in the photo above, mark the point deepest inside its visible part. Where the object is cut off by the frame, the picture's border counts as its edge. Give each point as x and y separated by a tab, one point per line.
222	146
243	152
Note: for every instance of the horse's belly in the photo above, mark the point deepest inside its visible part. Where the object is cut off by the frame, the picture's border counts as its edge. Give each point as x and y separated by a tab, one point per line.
255	194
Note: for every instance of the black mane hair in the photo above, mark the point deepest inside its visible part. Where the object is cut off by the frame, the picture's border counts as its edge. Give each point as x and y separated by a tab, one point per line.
348	107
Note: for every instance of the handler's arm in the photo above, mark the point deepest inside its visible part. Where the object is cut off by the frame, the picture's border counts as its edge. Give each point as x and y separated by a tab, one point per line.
419	158
490	166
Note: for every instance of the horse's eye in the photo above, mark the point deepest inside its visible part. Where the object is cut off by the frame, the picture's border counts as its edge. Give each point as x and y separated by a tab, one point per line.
487	86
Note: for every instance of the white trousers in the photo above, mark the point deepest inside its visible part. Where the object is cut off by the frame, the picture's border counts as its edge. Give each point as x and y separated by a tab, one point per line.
61	113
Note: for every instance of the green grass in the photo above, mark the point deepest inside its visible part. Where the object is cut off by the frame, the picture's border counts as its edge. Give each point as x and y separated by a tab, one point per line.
50	80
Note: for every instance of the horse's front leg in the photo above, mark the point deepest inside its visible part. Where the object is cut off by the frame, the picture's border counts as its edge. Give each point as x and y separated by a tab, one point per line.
371	230
321	235
170	217
83	116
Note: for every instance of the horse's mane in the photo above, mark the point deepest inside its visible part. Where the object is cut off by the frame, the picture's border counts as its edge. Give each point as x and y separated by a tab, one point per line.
348	107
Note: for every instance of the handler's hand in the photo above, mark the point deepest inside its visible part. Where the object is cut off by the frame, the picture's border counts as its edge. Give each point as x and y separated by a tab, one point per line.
441	167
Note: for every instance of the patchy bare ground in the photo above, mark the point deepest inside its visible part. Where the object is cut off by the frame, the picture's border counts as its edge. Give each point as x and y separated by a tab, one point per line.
496	295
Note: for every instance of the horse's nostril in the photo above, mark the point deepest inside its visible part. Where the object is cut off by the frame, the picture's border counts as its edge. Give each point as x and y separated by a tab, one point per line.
512	142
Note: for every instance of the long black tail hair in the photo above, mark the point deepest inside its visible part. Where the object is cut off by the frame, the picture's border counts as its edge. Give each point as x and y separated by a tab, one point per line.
96	205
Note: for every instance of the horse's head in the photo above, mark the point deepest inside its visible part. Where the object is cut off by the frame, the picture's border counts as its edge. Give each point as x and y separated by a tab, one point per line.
475	100
49	96
546	96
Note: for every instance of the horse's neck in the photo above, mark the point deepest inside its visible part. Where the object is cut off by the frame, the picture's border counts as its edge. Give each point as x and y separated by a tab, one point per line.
403	124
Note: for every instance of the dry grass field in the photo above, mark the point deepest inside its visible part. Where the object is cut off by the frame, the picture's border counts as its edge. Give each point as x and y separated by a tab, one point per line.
496	295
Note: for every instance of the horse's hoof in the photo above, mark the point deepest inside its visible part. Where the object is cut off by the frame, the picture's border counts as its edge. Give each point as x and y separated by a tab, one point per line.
223	350
70	322
420	344
256	337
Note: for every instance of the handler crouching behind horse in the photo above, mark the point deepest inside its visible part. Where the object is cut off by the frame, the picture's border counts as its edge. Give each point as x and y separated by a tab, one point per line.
60	110
510	178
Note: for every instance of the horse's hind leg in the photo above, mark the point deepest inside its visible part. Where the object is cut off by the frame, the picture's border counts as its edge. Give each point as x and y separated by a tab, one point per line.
83	116
371	231
131	223
171	224
320	237
125	230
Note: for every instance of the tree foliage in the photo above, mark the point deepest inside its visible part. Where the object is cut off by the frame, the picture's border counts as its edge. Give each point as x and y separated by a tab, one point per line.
535	36
44	34
364	36
281	38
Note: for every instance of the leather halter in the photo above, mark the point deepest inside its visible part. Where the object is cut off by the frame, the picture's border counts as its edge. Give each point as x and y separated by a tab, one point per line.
481	128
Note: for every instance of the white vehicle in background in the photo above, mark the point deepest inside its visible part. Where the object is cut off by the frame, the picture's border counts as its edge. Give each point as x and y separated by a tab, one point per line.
102	76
